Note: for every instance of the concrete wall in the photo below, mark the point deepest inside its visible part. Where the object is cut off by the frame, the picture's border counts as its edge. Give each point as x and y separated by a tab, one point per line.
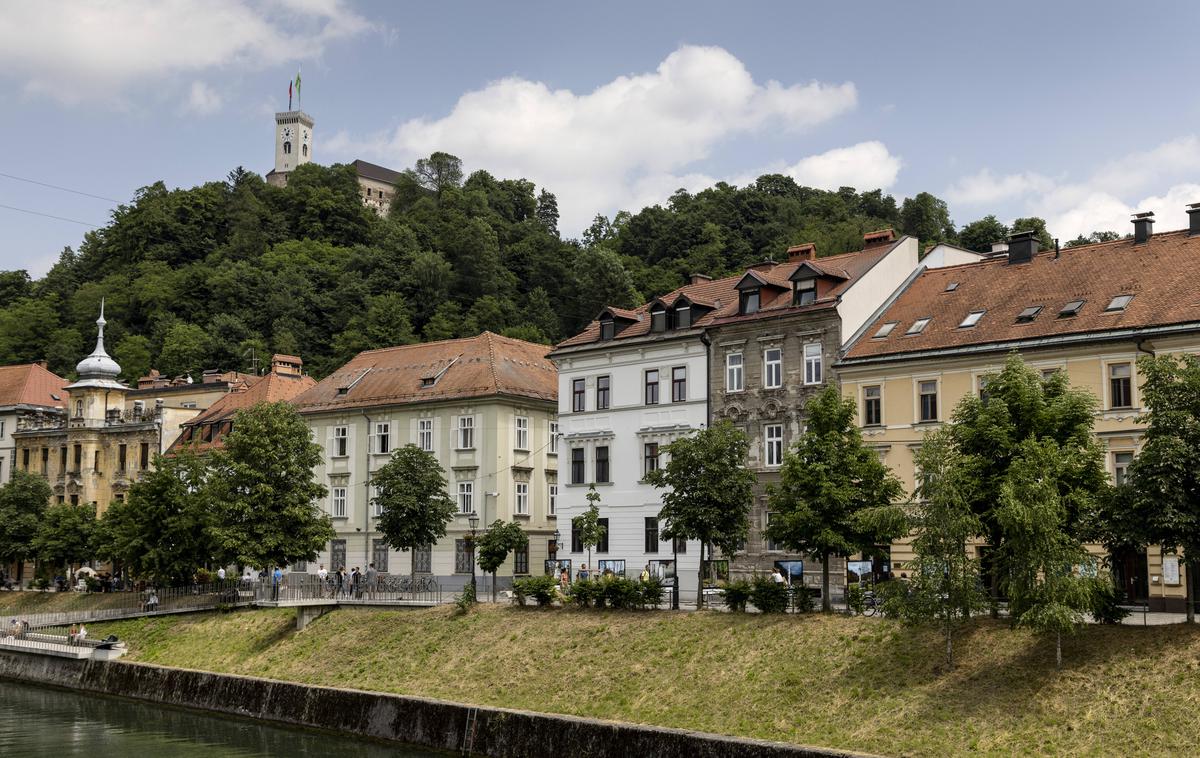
416	721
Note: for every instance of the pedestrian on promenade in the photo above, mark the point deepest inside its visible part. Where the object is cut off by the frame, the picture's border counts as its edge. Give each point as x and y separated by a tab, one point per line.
72	634
355	583
372	577
583	571
247	577
322	579
221	574
645	577
564	579
276	580
341	580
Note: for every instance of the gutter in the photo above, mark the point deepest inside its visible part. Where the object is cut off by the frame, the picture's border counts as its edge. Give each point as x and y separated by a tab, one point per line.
707	341
367	499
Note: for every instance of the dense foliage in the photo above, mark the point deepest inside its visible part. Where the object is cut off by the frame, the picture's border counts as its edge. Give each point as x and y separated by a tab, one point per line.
222	274
411	494
23	501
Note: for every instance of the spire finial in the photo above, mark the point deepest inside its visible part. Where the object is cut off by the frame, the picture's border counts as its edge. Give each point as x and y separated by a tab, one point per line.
101	320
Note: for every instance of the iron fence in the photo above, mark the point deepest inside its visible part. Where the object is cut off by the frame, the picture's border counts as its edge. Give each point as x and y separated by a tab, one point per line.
385	588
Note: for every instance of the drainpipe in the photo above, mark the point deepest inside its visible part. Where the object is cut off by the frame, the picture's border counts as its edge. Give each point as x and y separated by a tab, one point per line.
707	372
367	500
1139	342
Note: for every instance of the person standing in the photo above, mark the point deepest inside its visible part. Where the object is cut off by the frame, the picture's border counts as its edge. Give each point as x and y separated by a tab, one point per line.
322	580
645	577
276	580
355	580
341	580
372	577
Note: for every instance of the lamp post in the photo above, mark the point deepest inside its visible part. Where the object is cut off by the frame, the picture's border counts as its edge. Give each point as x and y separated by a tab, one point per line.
473	521
554	553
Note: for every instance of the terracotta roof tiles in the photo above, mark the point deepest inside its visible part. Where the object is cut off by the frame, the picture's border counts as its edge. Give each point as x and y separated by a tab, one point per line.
31	384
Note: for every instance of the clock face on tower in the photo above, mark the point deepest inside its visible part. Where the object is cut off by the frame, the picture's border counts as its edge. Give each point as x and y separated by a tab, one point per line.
287	132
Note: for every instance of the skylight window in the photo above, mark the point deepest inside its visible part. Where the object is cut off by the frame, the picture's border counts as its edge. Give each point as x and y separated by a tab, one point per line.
1029	314
951	287
1118	303
1071	309
885	330
971	320
918	326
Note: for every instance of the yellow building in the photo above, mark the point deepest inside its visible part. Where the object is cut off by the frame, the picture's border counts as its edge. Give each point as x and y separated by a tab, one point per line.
1089	311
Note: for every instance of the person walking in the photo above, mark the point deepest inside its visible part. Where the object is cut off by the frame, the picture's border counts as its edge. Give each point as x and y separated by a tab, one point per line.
645	577
564	579
81	635
276	580
341	581
372	577
221	574
72	633
583	571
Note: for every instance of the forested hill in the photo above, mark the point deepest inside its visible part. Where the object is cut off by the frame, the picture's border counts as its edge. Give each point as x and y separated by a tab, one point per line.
210	276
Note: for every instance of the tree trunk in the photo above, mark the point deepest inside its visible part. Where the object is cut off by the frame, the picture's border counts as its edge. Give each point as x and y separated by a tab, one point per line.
1190	602
994	582
1058	650
700	577
949	646
826	600
493	588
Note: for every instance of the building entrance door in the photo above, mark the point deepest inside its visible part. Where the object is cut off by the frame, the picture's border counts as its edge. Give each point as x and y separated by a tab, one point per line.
1130	574
337	554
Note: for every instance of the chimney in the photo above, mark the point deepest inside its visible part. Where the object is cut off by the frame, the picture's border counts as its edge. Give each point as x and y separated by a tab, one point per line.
1143	227
286	365
1022	246
805	252
1193	219
700	278
42	363
875	239
999	247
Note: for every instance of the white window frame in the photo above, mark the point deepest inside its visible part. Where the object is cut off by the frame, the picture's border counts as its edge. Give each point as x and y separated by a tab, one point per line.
772	369
521	506
521	427
338	497
381	438
773	445
466	433
814	363
553	438
425	434
341	442
866	399
1119	477
937	392
1108	380
466	498
735	375
376	508
552	499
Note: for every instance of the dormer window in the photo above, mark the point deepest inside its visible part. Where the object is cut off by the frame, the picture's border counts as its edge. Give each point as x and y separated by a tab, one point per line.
805	292
748	301
658	319
683	317
607	329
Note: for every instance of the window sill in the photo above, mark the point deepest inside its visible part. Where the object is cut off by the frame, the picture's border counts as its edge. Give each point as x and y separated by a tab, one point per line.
525	516
930	422
521	450
463	450
338	457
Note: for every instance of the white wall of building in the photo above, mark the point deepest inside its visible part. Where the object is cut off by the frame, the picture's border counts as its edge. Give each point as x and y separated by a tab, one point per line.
861	299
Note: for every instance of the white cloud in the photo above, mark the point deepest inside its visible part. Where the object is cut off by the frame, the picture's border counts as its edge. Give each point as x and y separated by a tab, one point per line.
75	51
620	144
1105	200
202	100
867	166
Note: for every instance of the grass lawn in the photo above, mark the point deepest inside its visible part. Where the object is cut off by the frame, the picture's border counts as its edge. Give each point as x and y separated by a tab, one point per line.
48	602
865	684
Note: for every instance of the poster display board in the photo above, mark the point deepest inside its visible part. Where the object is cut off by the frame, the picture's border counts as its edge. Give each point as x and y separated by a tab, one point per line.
664	571
555	567
791	570
611	567
1171	569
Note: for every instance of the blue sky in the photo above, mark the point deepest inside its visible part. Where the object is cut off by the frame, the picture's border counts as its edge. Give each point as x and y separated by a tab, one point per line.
1080	112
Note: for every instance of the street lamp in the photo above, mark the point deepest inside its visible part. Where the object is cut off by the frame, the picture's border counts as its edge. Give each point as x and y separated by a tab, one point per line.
557	540
473	521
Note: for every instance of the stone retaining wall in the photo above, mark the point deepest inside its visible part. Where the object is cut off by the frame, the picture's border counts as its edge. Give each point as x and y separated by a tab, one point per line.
417	721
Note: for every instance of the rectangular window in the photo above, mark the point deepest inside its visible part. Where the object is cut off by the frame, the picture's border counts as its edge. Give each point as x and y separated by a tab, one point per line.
683	317
381	440
522	501
734	373
602	545
772	546
578	396
466	432
918	326
651	545
425	434
1	430
652	387
813	367
379	555
337	499
602	464
521	560
1120	385
773	368
340	446
971	319
144	455
1121	463
553	438
774	444
577	466
466	497
122	456
607	329
78	458
552	500
422	561
576	540
462	557
25	458
62	459
522	441
872	405
748	302
649	458
929	400
806	292
679	384
679	545
603	392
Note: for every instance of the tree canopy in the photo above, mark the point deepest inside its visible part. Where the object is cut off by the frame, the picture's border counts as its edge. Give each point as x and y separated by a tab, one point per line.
411	494
23	502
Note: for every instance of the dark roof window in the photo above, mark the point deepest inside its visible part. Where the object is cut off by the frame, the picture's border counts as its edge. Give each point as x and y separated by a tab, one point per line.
658	319
885	330
607	329
1029	314
748	301
1071	309
1118	303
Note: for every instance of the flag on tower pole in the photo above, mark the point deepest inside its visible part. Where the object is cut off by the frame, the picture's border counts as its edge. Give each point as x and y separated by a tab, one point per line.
298	98
289	95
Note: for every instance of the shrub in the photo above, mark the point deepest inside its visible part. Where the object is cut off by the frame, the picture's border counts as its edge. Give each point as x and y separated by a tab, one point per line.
892	597
768	596
621	592
41	583
856	599
737	593
584	592
652	592
541	588
802	598
463	602
520	590
204	576
1106	599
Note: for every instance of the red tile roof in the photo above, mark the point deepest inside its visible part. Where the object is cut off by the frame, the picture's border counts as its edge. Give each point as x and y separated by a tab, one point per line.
1155	273
481	366
775	300
270	388
31	384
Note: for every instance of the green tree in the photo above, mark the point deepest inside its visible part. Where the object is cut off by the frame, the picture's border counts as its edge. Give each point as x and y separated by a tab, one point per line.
835	497
411	494
1093	238
64	536
133	353
164	530
928	219
979	235
1034	224
264	490
500	539
23	501
588	527
184	349
547	211
944	585
439	172
1041	553
707	491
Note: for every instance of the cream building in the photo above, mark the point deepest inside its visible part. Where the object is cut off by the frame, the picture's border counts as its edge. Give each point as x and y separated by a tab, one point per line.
1089	311
484	406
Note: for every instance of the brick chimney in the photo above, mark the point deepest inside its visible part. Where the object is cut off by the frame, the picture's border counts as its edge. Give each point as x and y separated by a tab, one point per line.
287	365
1022	246
700	278
881	237
805	252
1143	227
1193	219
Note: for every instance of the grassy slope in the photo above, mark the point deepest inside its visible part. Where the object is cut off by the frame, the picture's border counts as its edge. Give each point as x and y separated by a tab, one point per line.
47	602
864	684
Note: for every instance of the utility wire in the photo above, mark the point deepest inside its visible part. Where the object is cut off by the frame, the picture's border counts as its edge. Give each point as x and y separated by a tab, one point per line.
48	215
55	186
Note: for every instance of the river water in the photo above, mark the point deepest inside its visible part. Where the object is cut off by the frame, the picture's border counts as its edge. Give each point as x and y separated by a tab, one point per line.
46	723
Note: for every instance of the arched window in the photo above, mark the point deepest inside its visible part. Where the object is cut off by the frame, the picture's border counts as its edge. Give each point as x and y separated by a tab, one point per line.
287	148
78	409
304	150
